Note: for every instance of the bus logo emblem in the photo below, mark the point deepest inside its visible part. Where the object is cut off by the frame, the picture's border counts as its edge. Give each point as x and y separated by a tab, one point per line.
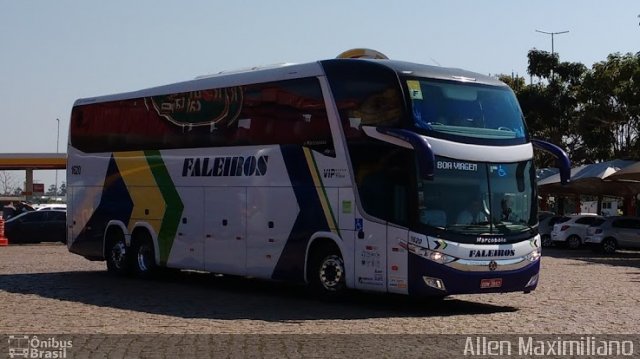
493	265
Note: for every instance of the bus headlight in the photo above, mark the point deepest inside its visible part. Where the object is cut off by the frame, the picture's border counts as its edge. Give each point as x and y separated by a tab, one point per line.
535	255
434	256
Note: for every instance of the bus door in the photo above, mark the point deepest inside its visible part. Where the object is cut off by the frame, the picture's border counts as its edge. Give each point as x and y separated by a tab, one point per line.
363	244
397	260
225	227
370	255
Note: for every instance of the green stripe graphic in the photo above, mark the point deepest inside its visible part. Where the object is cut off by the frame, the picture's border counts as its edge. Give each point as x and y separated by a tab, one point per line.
173	212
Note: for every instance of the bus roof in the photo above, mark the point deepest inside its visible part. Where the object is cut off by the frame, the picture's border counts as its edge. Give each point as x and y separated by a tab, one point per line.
440	73
291	71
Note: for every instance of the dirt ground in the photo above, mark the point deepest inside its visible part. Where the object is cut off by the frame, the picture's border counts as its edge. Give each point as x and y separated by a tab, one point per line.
45	289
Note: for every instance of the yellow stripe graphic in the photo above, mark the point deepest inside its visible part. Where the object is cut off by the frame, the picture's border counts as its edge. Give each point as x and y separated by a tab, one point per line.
324	201
148	203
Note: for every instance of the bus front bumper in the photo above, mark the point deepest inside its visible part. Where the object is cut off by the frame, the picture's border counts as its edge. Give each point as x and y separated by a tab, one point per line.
429	278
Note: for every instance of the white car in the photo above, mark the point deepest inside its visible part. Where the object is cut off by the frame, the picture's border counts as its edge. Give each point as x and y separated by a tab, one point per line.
614	233
572	230
546	220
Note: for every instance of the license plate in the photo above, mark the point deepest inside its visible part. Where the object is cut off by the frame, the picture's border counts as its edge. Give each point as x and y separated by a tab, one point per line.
491	283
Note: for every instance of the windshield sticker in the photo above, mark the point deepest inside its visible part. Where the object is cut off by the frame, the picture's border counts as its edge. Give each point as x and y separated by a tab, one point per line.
354	122
346	207
358	224
500	170
414	90
458	166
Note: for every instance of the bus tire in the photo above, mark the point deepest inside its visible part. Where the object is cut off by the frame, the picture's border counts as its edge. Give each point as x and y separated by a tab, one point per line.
117	253
327	273
143	256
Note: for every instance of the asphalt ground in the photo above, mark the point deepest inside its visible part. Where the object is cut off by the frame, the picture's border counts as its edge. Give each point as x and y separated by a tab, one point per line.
46	290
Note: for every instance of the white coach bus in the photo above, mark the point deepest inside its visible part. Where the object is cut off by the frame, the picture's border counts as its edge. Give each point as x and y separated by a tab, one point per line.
370	174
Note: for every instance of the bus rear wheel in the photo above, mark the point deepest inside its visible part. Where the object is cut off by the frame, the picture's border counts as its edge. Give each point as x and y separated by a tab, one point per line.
144	265
327	277
117	254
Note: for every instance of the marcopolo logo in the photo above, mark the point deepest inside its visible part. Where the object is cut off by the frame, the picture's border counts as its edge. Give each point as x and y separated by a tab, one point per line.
24	346
225	166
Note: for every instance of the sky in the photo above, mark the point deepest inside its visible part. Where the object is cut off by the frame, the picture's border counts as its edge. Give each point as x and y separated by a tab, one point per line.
54	52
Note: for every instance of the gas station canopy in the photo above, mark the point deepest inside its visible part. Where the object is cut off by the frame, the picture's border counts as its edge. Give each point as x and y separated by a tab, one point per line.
33	161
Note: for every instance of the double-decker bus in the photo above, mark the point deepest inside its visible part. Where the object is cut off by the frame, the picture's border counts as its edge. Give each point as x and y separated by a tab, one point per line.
370	174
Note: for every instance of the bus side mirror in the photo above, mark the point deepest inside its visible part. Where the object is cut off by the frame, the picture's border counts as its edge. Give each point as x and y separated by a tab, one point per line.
562	159
424	154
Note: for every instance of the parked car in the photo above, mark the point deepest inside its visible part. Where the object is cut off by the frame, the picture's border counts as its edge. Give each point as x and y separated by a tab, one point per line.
614	233
572	230
44	207
37	226
546	220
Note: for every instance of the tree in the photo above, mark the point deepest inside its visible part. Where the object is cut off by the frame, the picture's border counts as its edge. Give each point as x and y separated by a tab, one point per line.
593	113
62	190
7	183
611	113
51	191
551	105
517	83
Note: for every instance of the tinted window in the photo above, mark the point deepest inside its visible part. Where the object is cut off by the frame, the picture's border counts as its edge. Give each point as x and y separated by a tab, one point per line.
465	109
383	173
284	112
626	223
598	222
634	223
586	220
366	94
34	216
475	198
620	223
56	216
555	220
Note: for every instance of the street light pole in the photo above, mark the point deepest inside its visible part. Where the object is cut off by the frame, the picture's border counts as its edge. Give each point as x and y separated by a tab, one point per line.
552	34
57	151
552	49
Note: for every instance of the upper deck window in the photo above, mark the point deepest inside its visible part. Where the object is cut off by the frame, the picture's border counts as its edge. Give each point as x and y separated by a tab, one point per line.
288	112
445	109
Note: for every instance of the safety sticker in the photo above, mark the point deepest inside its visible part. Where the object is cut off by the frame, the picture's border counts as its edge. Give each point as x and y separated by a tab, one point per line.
346	207
414	89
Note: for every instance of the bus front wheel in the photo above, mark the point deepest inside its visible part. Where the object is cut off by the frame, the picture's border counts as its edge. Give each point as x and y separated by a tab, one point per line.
328	274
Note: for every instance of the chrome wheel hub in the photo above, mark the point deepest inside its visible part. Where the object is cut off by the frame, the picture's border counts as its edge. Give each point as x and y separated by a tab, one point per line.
331	272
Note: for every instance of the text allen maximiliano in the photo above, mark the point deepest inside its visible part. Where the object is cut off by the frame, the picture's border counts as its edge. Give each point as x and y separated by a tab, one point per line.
582	346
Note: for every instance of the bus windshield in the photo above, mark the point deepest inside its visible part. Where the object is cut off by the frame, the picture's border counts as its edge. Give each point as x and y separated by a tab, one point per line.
465	109
476	198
